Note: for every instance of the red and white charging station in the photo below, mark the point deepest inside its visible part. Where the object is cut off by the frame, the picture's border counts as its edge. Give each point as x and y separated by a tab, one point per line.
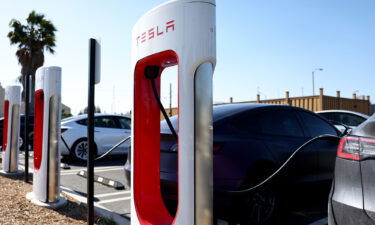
11	129
183	33
47	118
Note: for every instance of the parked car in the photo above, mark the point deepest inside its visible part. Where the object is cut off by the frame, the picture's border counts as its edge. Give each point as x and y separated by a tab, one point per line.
352	197
345	117
251	141
109	130
22	128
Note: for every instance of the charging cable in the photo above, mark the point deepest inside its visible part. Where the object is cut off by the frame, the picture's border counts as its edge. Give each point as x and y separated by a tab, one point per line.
106	153
272	176
152	72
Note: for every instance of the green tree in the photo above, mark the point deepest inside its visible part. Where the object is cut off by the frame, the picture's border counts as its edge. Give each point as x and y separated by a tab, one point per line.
65	114
33	38
84	111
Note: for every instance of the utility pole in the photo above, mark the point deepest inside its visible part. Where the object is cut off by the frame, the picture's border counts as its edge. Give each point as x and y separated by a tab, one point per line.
313	79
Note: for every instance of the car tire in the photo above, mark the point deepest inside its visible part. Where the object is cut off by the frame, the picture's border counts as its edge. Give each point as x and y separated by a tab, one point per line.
259	206
80	148
31	139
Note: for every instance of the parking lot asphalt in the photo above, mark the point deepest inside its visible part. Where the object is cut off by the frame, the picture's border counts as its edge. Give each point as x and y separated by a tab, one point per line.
118	201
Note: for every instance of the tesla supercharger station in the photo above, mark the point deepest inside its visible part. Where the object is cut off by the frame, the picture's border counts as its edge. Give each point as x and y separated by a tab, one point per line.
47	118
11	129
183	33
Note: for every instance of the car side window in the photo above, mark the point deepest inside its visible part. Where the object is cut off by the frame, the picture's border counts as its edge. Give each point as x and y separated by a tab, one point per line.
124	122
330	116
316	126
241	124
279	122
82	122
350	120
105	122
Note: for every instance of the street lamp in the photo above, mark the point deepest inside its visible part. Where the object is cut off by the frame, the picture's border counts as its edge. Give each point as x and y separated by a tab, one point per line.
313	82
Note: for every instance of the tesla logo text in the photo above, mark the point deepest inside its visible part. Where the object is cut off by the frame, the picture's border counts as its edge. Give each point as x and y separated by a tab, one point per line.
155	32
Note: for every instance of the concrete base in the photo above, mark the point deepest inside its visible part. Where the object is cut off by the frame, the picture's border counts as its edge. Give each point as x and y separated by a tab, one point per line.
11	173
51	205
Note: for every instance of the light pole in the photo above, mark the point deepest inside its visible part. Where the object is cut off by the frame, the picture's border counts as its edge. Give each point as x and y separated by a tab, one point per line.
313	82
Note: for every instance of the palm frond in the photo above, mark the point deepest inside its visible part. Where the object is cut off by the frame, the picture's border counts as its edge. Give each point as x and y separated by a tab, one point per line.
37	35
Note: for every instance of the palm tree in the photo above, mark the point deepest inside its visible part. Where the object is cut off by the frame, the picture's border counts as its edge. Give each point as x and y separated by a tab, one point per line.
32	39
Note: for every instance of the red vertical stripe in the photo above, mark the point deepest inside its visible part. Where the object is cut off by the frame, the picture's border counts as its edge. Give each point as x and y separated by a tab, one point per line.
148	201
5	126
38	128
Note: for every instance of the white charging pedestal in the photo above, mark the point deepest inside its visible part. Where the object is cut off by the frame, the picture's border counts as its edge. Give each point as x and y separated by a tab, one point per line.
47	118
183	33
11	130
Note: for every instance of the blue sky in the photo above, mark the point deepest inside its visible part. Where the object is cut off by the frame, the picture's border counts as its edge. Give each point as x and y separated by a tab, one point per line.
267	46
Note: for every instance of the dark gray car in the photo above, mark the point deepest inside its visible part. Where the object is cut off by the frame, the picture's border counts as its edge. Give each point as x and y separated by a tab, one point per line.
352	197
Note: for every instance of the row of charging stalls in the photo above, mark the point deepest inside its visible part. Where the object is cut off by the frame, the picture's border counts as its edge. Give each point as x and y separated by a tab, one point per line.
179	33
46	183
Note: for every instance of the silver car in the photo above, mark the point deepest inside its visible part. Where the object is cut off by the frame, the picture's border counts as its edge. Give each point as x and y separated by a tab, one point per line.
348	118
109	130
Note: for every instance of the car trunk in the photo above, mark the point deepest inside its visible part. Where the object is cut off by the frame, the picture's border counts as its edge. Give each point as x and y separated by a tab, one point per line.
366	134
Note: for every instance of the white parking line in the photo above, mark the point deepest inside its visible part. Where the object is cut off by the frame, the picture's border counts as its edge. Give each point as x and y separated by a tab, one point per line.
111	194
323	221
71	172
113	200
106	168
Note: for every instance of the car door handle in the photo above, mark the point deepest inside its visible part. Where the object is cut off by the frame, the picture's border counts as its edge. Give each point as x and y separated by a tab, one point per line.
96	131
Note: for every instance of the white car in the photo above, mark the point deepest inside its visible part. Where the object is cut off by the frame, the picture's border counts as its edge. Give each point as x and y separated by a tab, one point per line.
348	118
109	130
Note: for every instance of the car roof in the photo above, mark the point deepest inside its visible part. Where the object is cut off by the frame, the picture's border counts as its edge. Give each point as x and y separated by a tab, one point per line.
84	116
227	110
344	111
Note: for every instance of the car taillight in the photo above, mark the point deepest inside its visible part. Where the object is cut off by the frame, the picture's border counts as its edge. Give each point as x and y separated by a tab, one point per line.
217	147
63	130
356	148
367	147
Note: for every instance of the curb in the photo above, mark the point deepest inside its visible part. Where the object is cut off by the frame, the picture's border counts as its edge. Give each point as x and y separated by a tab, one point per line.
102	180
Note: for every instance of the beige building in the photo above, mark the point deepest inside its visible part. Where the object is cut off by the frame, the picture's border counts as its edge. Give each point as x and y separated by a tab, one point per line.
323	102
313	103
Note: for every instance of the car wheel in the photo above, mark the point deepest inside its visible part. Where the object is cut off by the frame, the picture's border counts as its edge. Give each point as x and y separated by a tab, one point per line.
21	141
80	149
260	207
